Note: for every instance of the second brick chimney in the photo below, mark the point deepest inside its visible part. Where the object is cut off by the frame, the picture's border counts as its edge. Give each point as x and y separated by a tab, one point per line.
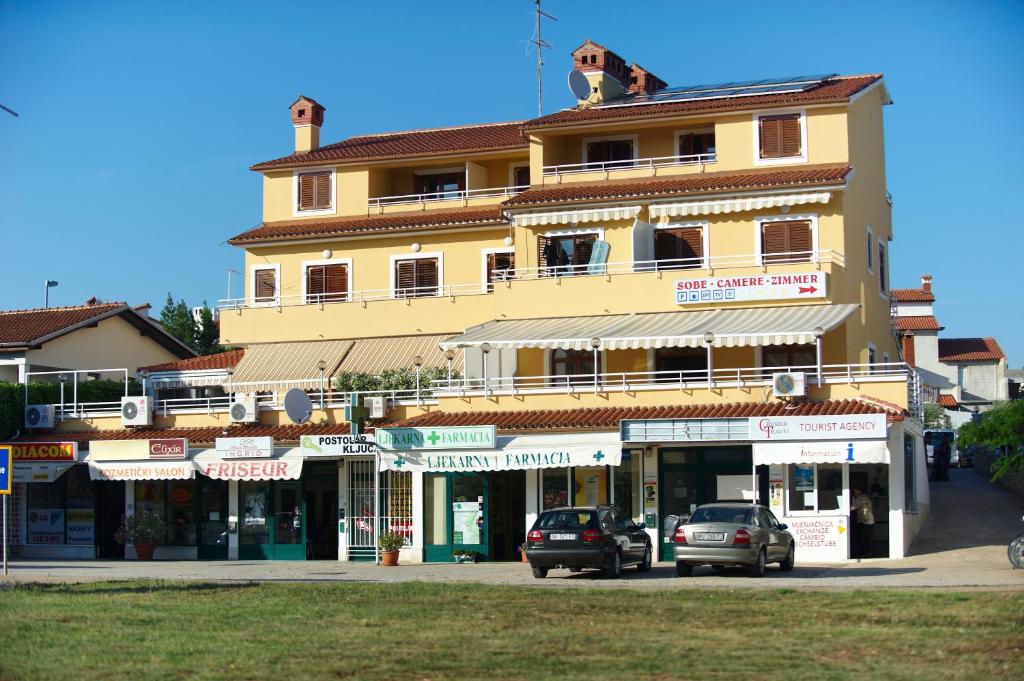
642	81
926	282
606	71
307	117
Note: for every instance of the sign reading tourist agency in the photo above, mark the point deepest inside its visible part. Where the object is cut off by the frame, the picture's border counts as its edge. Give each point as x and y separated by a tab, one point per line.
454	437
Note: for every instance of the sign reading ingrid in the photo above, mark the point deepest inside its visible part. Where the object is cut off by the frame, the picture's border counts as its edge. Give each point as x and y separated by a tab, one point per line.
43	451
244	447
837	427
454	437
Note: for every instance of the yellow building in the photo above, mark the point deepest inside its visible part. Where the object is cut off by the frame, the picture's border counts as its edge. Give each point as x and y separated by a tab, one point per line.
633	299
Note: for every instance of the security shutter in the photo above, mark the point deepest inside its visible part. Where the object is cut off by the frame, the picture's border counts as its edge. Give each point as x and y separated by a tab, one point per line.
315	191
780	136
679	248
786	241
416	278
266	286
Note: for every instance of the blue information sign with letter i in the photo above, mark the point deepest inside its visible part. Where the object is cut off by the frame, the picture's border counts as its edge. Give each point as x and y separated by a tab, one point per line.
5	470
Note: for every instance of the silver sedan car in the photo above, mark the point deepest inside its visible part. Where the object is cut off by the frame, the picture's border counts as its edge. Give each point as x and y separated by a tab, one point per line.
728	534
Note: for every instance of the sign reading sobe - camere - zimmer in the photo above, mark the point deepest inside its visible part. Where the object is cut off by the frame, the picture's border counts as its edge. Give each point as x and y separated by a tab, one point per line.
794	285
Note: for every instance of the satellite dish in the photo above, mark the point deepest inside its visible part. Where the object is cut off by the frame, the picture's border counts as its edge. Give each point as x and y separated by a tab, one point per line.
579	84
298	406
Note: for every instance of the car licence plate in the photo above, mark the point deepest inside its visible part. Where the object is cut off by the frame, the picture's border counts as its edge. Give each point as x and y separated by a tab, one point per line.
711	536
561	537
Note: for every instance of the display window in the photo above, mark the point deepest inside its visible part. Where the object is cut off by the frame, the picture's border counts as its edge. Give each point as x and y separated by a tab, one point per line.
172	500
814	487
62	511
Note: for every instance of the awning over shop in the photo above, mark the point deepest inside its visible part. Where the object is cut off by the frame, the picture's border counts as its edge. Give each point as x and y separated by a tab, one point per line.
271	366
566	217
141	470
373	355
730	327
286	465
188	379
834	451
516	452
737	204
39	471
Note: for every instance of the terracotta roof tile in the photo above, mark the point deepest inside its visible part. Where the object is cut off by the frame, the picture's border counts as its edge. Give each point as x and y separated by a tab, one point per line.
347	226
456	140
196	436
220	360
917	324
969	350
608	417
912	295
948	401
837	89
27	326
686	184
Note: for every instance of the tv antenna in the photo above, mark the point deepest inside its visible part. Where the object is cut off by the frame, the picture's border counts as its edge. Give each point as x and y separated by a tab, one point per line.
541	45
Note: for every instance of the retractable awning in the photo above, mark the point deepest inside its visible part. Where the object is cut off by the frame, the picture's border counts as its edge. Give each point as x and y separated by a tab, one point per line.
737	204
833	451
266	366
141	470
734	327
284	465
374	355
567	217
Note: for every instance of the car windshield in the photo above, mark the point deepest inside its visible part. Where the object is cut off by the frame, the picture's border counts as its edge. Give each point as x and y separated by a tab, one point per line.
721	514
567	520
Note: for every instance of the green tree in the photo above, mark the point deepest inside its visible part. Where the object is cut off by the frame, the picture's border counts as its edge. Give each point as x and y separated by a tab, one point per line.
935	416
178	321
1000	428
207	333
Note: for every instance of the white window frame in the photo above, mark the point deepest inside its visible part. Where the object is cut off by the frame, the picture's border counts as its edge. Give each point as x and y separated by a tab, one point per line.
871	251
760	220
635	139
295	192
306	264
705	234
599	231
253	269
701	129
872	357
512	167
802	158
484	252
416	256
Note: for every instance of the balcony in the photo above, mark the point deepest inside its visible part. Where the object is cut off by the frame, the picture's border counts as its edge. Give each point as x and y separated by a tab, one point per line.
448	198
622	169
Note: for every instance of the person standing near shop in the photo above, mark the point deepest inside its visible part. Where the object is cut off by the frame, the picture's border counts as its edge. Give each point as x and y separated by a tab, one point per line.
863	513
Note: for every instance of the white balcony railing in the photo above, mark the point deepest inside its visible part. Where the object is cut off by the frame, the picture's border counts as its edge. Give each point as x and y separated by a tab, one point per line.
650	164
463	195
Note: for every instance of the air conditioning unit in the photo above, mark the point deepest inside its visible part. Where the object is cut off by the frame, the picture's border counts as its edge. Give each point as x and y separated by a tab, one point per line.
39	416
789	384
136	411
375	406
244	409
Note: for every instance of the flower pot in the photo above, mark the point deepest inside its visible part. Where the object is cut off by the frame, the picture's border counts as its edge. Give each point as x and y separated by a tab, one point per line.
144	551
522	554
389	558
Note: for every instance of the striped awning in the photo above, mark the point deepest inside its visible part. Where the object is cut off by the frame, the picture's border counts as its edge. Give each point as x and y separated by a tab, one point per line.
734	327
374	355
282	366
568	217
736	204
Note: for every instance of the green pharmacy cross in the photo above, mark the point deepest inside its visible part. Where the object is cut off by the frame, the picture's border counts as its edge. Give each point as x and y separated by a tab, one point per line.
355	413
433	437
599	455
400	462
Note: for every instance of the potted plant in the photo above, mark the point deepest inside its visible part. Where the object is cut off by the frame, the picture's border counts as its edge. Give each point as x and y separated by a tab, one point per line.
522	552
144	530
390	543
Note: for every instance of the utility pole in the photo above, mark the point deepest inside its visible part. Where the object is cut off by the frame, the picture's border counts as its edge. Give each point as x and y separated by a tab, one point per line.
541	45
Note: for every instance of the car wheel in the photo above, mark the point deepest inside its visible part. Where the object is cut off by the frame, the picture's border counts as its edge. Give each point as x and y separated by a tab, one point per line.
787	563
757	568
645	563
683	569
613	568
540	573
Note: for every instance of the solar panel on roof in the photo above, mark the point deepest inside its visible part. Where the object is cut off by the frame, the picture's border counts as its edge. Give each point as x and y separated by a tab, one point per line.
744	88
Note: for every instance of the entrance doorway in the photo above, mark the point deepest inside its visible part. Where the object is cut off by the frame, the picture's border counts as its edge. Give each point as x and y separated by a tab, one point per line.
272	520
322	510
872	480
213	518
482	513
110	498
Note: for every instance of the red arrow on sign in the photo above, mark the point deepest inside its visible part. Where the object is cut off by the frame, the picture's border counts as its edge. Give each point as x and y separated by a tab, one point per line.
807	289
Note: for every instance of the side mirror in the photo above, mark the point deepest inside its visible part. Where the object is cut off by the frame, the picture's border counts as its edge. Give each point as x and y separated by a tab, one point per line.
783	526
641	526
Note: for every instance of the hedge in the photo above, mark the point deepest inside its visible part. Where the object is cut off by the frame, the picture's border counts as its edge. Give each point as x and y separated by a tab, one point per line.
12	398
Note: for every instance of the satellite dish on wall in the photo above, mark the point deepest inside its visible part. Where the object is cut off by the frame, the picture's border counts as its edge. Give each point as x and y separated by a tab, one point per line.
298	406
579	84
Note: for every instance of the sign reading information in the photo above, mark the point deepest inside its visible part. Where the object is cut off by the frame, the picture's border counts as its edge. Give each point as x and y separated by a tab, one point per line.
454	437
750	287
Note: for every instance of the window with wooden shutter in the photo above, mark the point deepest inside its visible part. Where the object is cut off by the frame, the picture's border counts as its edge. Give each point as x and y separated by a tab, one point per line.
565	255
498	268
883	284
612	153
698	144
679	248
780	136
786	242
327	283
266	286
521	176
315	191
416	278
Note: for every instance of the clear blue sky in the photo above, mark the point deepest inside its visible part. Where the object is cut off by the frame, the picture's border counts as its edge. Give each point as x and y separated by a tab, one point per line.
128	165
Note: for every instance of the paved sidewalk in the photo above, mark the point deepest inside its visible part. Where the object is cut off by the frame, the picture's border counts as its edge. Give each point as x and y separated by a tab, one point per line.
963	547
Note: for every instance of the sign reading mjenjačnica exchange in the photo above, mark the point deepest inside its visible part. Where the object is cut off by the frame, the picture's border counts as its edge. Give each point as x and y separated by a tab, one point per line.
452	437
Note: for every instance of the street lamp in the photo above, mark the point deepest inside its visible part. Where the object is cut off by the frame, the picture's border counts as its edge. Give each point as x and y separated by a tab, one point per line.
417	361
818	333
486	349
450	356
709	338
321	365
595	343
47	285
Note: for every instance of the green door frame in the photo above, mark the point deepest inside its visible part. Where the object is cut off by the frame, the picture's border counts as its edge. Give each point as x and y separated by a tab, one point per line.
210	551
442	553
272	550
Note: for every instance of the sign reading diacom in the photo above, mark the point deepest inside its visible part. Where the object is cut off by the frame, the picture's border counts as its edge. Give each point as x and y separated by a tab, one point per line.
751	287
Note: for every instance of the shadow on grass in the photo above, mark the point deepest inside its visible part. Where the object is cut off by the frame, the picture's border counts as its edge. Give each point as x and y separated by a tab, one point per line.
137	587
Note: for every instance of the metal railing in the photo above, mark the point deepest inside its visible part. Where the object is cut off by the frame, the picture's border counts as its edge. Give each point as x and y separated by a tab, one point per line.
369	295
449	195
651	164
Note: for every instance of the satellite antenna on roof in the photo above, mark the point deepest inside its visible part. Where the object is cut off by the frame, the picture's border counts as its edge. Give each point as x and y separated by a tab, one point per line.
579	84
298	406
541	45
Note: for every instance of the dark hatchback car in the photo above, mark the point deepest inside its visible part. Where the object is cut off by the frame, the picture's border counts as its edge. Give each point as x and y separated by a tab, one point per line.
599	537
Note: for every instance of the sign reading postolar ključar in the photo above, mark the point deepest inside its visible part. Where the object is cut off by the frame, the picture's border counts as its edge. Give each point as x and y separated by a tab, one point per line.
453	437
795	285
312	446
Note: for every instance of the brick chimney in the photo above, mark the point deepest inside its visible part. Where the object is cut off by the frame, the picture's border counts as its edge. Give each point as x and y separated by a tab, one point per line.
607	72
908	349
307	117
642	81
926	282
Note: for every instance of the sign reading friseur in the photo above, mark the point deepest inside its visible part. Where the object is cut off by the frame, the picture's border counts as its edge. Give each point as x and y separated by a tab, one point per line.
451	437
313	446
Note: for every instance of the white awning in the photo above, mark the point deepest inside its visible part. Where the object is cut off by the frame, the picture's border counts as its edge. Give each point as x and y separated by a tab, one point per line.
40	471
188	379
269	366
736	204
567	217
516	452
141	470
736	327
833	451
284	465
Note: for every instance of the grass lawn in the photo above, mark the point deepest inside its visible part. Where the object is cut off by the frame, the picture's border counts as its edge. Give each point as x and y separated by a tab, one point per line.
174	630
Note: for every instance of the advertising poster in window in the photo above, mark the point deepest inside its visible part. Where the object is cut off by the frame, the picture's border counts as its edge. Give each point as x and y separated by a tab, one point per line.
81	525
256	509
803	478
465	529
46	526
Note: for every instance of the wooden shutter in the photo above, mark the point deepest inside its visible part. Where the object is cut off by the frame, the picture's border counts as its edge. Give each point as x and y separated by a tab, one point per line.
266	286
679	248
546	256
323	191
882	274
496	264
582	247
415	278
426	277
336	282
786	241
780	136
314	284
522	176
314	191
307	192
405	278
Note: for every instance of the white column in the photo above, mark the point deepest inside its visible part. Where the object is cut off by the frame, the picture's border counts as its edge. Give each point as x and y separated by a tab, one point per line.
898	541
532	498
343	512
233	519
844	507
418	526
